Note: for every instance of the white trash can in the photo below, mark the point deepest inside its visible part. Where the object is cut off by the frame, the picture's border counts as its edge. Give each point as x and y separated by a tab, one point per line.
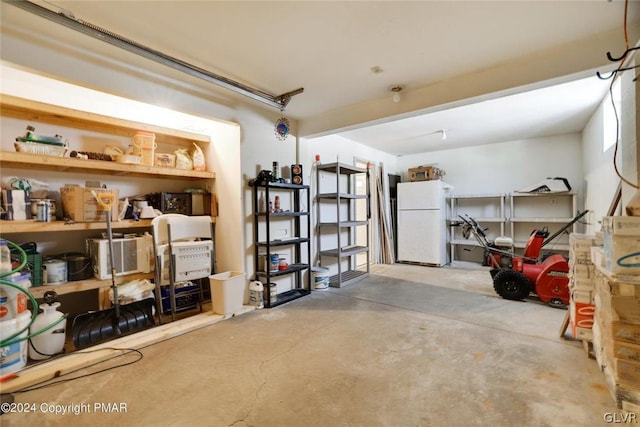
227	291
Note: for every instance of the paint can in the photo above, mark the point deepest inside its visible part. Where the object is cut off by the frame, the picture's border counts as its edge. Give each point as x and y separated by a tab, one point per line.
272	288
43	211
320	278
274	262
55	271
78	266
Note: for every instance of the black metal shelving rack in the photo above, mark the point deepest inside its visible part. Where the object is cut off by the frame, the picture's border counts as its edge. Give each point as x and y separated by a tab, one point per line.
344	197
295	214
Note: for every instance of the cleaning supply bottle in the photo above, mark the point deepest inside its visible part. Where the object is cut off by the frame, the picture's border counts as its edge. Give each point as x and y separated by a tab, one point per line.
256	290
51	341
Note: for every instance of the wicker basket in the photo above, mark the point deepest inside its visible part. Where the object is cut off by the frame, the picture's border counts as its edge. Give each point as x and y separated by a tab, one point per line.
40	148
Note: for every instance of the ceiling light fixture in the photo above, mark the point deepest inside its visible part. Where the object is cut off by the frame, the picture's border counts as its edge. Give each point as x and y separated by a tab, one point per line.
396	93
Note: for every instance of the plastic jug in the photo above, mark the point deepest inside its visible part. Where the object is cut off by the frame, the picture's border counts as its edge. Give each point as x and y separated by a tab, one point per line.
51	341
256	294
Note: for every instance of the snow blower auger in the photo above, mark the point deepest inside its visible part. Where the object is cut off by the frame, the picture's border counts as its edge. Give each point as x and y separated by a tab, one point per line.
515	277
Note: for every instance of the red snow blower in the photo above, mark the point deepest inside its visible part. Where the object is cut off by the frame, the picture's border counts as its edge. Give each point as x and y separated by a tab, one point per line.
514	277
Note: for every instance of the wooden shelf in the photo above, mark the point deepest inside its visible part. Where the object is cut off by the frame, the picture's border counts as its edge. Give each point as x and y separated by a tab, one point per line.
29	110
85	285
33	226
95	167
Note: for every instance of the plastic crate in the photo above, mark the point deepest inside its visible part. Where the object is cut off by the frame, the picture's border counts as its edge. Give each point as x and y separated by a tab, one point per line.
34	262
187	297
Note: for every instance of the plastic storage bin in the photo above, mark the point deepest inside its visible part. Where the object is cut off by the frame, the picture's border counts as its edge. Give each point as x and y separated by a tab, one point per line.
227	291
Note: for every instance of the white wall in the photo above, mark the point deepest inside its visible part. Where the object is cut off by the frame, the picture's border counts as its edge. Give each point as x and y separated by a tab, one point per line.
67	66
600	180
259	146
334	148
507	166
629	134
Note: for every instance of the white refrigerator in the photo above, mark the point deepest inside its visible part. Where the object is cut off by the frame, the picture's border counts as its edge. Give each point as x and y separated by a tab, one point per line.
422	222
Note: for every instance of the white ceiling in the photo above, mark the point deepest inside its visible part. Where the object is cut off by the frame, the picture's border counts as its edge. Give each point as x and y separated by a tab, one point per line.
329	49
553	110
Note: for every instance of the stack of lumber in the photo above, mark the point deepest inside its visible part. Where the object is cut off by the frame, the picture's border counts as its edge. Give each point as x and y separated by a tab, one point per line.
616	327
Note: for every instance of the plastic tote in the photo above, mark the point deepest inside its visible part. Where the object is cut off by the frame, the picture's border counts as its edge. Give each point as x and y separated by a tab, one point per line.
227	291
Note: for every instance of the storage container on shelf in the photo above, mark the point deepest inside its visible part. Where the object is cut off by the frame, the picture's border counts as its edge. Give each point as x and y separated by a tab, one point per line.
144	145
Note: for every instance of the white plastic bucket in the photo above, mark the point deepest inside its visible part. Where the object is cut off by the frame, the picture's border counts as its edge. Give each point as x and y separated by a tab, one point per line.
320	278
227	291
13	302
13	357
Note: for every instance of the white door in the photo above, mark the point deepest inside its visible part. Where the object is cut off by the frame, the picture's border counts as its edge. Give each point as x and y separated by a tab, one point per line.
420	236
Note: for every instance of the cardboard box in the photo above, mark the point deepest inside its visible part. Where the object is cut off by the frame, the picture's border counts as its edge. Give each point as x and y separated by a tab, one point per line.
578	240
424	173
80	204
597	256
579	333
625	350
582	296
581	284
581	314
581	271
627	332
621	226
622	254
627	309
627	372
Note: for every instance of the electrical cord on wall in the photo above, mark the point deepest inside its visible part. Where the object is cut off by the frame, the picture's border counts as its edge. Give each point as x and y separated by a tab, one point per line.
623	60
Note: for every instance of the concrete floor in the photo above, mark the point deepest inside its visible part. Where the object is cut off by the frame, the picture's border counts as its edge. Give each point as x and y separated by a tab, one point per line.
408	346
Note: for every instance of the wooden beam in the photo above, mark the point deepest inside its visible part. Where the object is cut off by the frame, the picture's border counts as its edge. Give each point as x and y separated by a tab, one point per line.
616	200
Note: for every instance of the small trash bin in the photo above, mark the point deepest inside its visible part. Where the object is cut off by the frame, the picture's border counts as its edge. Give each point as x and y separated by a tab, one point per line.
227	291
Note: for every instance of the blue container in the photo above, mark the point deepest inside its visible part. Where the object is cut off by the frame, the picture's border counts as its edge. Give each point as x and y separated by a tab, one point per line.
187	297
